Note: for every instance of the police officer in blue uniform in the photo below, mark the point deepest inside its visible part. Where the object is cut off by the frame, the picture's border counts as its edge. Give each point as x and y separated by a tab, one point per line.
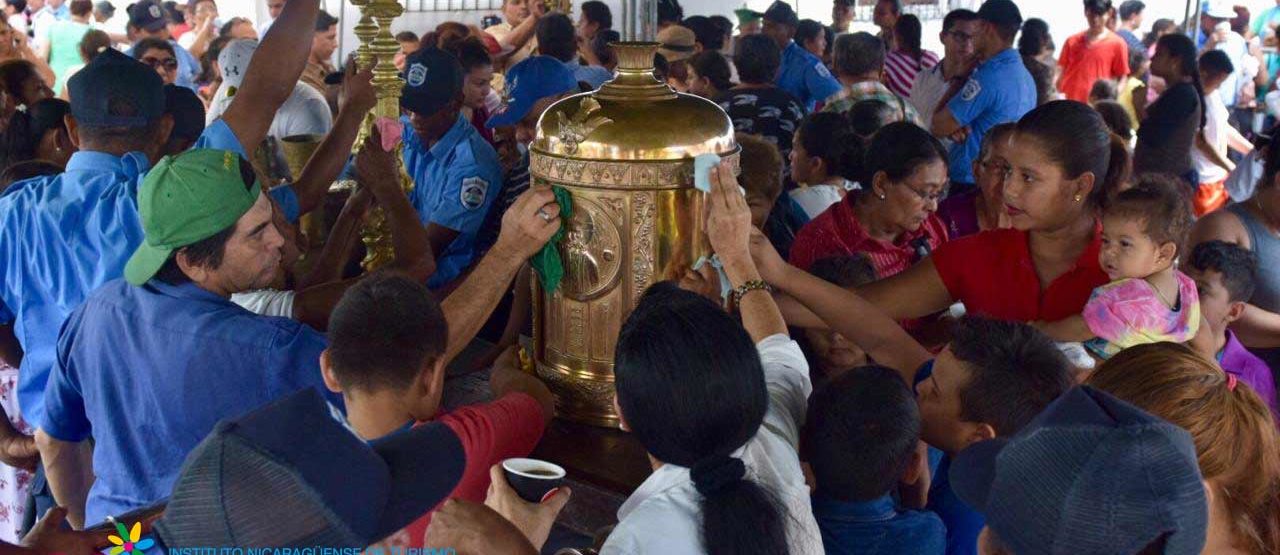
999	90
455	172
803	74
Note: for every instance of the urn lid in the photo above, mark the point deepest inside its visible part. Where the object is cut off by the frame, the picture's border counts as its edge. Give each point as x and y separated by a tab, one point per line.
634	117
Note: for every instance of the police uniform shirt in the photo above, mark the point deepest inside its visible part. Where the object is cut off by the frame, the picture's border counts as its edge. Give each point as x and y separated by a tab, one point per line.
805	77
999	91
455	182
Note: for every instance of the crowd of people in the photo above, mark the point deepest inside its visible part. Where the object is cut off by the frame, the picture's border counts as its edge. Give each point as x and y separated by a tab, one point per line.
1009	297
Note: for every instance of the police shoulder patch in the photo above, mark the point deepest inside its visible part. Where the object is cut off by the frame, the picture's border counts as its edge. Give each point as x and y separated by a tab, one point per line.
474	190
971	89
821	69
417	75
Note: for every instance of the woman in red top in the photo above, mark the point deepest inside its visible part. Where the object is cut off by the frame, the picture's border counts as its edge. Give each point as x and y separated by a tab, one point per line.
1097	53
891	219
1062	164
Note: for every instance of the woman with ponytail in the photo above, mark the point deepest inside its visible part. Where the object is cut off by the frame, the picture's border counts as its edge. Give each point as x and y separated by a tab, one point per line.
718	408
1236	441
825	160
1168	132
1062	164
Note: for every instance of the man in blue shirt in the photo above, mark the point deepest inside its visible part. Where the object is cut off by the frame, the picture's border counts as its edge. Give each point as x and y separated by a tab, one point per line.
147	20
63	236
999	90
455	172
148	364
803	74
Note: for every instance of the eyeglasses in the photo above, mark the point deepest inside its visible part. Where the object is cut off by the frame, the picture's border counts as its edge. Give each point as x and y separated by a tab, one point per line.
156	63
927	197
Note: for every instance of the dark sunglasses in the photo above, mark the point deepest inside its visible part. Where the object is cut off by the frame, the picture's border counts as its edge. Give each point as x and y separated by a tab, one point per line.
167	63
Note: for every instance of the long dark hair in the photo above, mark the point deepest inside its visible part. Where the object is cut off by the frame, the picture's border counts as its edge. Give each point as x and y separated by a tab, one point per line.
1181	47
1076	137
907	32
1035	37
712	65
829	136
691	388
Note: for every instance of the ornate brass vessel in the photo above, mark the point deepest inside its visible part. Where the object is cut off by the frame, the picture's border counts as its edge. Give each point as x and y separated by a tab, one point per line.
625	152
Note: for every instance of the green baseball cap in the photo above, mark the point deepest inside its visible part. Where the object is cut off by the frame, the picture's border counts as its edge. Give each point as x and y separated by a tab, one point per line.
185	199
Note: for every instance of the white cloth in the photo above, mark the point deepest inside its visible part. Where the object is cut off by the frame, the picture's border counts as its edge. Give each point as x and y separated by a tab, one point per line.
1243	182
1237	49
266	302
187	39
816	199
40	23
18	22
663	515
15	484
1215	131
926	91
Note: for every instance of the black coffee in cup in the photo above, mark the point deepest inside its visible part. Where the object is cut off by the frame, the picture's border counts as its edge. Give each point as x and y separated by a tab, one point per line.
531	478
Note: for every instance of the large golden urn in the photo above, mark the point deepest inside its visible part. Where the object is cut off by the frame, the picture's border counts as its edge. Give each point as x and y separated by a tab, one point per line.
625	154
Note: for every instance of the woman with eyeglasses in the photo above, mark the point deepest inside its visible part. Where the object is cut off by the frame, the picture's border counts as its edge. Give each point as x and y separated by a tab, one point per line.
1063	164
891	218
159	55
982	207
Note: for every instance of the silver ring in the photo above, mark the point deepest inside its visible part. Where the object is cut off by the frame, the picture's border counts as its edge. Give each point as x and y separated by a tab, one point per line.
542	213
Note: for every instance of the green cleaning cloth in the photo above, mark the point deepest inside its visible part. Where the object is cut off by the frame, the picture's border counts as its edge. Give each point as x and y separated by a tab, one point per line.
547	261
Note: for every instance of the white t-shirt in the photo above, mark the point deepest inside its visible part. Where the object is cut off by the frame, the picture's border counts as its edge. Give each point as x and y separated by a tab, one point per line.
18	22
816	199
40	23
1237	49
266	302
927	90
663	515
1215	130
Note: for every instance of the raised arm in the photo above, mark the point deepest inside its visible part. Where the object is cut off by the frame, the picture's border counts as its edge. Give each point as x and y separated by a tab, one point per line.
528	224
916	292
274	69
843	311
729	230
358	97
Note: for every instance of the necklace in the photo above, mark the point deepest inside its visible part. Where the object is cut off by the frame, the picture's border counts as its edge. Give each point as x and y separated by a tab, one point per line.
1163	298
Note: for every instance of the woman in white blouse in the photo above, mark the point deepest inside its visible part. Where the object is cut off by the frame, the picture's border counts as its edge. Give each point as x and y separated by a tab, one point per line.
719	410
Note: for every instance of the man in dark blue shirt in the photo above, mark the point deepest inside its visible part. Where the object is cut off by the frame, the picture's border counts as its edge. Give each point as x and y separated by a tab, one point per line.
803	74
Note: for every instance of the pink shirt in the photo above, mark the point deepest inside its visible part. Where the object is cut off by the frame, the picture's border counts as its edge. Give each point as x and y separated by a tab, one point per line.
900	69
1129	312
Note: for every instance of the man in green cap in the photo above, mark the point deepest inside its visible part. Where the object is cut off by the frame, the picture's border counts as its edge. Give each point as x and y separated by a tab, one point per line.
748	21
148	364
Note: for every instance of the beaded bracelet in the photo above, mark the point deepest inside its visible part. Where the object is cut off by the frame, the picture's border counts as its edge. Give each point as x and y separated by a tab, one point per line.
752	285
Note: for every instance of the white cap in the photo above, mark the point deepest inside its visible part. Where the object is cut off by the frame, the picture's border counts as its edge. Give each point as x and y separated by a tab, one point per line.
234	60
1219	9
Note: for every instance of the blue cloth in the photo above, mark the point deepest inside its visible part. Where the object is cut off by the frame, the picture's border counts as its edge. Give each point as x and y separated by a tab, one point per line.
999	91
877	527
963	524
591	75
455	182
188	66
63	12
63	236
804	76
1135	43
147	372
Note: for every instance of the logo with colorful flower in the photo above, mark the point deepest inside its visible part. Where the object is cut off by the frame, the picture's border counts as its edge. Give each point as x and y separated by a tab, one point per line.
130	542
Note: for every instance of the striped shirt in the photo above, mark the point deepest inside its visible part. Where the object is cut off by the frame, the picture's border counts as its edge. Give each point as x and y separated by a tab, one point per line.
900	69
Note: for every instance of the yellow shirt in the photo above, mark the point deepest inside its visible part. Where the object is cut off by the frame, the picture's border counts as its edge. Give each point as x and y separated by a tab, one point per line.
1125	98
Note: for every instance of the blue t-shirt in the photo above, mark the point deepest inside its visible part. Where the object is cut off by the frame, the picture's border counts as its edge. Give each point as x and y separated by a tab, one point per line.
877	527
804	76
591	75
963	524
188	66
62	236
999	91
455	182
148	371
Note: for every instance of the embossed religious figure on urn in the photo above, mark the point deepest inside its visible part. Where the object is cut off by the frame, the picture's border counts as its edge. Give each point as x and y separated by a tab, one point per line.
625	154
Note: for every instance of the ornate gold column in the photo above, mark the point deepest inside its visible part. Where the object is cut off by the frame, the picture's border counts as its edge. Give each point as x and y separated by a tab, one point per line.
377	49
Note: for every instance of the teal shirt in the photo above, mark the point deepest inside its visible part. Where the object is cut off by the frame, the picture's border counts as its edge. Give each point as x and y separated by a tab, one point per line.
64	49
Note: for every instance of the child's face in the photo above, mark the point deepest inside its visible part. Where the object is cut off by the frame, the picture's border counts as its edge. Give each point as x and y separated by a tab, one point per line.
760	208
1128	252
1215	300
799	159
835	354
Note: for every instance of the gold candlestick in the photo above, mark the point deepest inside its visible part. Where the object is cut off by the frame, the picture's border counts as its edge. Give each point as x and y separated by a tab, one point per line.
378	48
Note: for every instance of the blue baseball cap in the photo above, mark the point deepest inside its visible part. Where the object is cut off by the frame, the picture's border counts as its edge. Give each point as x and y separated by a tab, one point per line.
528	82
115	90
290	474
1090	475
432	78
